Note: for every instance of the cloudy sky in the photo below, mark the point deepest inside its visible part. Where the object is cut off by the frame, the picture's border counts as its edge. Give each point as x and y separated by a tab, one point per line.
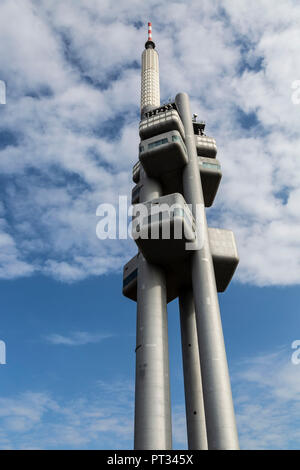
68	140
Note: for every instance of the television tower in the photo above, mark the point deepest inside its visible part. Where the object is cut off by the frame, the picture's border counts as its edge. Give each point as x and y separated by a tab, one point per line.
176	177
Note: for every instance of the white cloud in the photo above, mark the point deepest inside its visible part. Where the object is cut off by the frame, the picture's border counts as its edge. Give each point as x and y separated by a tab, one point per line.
179	431
267	401
102	420
11	264
72	113
77	338
35	420
266	398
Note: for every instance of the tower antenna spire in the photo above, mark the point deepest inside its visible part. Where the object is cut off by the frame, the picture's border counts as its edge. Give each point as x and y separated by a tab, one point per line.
149	31
150	96
150	44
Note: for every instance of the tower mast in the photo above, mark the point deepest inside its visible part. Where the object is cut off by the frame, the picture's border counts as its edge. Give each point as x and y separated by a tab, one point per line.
152	428
177	174
150	95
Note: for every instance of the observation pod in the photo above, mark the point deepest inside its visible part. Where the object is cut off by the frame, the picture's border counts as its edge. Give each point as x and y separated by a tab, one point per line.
130	272
163	153
130	276
224	255
206	146
163	161
225	261
211	174
159	120
162	228
136	172
135	193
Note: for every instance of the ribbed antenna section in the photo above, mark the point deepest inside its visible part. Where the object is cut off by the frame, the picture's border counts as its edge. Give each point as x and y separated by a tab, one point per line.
150	95
149	31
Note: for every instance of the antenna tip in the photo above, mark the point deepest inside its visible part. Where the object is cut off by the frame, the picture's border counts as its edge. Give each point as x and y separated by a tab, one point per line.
149	31
149	44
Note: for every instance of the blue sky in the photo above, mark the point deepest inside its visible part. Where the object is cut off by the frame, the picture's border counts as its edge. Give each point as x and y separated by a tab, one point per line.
68	140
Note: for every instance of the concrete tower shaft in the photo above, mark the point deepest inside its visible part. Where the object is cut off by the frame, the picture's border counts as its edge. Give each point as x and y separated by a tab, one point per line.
153	429
177	166
150	95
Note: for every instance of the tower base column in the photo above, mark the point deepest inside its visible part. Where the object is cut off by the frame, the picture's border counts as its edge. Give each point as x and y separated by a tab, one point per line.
219	411
195	416
152	428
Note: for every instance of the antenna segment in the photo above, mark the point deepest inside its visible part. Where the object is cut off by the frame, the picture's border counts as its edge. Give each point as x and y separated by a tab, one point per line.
149	31
150	95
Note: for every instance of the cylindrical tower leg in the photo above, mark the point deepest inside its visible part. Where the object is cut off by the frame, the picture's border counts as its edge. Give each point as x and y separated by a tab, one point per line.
219	411
152	399
152	387
195	416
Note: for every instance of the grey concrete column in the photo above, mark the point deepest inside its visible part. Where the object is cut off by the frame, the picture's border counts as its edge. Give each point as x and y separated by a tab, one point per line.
195	416
219	411
152	387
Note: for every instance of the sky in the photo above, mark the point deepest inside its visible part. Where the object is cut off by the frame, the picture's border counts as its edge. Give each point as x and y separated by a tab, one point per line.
68	141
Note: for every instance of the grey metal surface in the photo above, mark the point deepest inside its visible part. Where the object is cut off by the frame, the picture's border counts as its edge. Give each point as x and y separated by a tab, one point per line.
136	172
225	255
163	153
150	94
206	146
211	174
163	120
225	260
169	171
219	412
152	428
195	415
162	234
135	193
